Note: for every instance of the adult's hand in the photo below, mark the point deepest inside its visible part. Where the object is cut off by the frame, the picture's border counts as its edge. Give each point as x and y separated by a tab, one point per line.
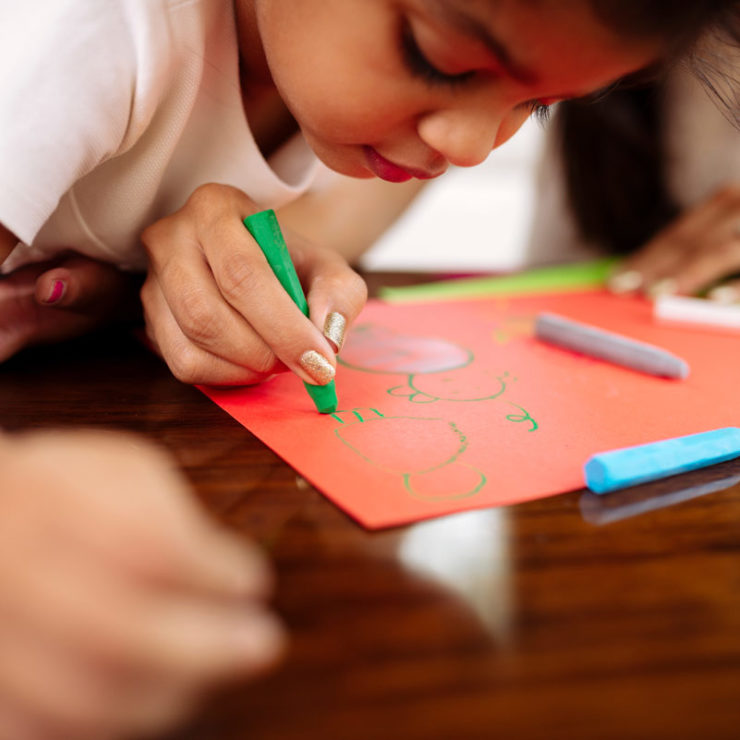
698	251
121	602
50	302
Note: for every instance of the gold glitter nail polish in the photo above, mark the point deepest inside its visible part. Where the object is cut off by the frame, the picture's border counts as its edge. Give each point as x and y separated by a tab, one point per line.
727	295
625	282
317	366
334	329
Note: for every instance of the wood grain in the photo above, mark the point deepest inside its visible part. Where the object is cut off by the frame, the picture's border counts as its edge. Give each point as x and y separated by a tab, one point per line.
532	621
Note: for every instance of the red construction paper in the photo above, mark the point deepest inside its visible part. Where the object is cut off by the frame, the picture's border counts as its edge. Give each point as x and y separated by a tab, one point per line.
452	406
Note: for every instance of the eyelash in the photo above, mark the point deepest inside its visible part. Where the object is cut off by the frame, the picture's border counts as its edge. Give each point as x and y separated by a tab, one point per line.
539	111
420	66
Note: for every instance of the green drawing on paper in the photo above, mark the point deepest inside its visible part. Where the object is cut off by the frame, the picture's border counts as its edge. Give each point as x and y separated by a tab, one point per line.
524	417
435	369
424	452
358	415
452	386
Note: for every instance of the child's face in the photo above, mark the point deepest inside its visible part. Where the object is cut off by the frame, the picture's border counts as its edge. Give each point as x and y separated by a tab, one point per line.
403	88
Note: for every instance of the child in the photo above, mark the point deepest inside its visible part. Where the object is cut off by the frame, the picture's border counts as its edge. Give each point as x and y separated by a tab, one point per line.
120	601
650	171
168	121
115	116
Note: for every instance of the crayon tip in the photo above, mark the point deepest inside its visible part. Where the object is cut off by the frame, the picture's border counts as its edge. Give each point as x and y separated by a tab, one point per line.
324	397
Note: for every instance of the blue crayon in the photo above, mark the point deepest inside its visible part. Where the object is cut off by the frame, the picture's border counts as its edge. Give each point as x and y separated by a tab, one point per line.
610	471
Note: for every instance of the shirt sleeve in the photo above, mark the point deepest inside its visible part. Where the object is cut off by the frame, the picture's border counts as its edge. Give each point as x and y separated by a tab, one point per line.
67	86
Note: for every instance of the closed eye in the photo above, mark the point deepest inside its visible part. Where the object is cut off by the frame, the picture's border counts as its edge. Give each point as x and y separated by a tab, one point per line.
418	64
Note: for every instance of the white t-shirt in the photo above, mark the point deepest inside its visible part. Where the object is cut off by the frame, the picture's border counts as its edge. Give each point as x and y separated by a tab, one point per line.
112	112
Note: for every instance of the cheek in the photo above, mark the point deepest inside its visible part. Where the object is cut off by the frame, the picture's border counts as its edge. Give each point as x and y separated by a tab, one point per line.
352	90
349	106
510	125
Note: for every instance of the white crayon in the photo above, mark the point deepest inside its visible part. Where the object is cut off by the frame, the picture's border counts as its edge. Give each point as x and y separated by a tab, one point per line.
697	311
605	345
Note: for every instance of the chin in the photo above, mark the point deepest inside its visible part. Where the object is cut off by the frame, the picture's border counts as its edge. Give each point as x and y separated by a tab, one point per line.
348	169
348	161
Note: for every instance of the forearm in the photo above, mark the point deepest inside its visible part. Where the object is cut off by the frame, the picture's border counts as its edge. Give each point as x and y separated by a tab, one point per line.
349	215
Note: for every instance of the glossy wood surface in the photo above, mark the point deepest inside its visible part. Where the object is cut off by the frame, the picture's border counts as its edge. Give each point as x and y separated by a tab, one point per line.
571	617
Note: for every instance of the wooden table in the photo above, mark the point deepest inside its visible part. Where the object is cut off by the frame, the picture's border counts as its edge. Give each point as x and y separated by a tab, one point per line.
552	619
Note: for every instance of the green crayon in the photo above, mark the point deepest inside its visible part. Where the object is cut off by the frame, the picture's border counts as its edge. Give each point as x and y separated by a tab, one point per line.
265	229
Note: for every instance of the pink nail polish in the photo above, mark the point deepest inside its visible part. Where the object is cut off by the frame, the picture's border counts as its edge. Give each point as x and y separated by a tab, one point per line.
56	293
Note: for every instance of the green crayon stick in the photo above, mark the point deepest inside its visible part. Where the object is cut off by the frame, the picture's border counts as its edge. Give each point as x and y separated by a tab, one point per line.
265	229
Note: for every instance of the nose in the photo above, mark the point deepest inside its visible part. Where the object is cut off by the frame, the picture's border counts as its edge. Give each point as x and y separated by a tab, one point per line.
465	137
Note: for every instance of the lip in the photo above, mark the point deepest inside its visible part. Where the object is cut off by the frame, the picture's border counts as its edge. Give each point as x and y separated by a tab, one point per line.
391	172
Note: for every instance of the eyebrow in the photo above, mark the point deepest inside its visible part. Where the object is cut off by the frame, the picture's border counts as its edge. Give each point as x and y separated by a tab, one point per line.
472	26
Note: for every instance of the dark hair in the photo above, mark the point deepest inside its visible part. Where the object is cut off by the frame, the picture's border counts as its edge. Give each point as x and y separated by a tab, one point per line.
612	147
676	22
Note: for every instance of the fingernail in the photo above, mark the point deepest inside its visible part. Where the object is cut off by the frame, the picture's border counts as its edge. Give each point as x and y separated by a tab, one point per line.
334	328
625	282
317	366
58	287
666	286
724	294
